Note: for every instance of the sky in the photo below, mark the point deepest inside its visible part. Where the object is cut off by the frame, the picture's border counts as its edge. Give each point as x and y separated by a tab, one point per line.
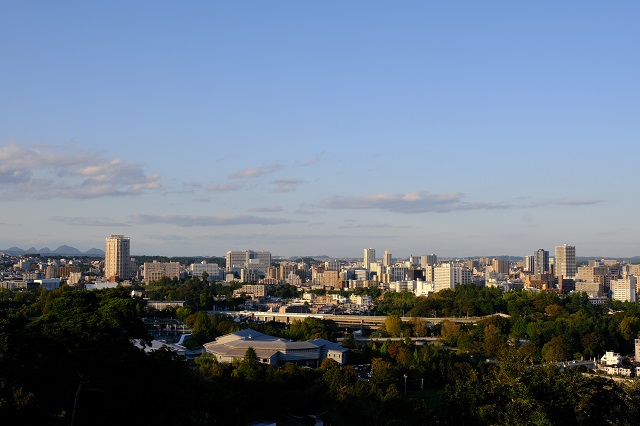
459	128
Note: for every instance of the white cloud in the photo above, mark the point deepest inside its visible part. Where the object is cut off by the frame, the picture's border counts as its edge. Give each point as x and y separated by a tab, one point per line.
313	160
86	221
287	185
565	202
49	171
220	220
253	172
224	187
266	209
410	202
372	226
424	202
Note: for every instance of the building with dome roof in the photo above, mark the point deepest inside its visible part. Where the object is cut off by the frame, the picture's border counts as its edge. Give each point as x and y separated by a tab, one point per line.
275	351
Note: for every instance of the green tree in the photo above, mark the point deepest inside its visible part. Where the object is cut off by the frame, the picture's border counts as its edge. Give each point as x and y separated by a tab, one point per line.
555	350
629	327
393	325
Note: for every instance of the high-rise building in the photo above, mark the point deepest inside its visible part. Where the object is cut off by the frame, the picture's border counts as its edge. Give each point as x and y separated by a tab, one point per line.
117	257
541	262
527	263
369	257
428	260
386	260
500	266
446	276
565	263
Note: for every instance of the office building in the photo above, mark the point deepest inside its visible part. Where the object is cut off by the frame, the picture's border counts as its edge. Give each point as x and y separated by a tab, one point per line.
369	257
386	260
428	260
527	263
540	262
117	257
500	266
624	289
212	270
446	276
565	263
248	259
153	271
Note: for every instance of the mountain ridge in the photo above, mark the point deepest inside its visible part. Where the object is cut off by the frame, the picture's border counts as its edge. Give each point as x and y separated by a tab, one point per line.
63	250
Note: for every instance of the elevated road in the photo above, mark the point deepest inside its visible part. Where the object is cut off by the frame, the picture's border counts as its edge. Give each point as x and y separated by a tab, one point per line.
342	320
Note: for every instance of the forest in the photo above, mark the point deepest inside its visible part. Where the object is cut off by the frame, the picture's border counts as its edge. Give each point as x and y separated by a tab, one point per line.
66	358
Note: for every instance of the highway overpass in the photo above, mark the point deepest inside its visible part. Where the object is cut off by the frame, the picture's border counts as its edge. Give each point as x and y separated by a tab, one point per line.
371	321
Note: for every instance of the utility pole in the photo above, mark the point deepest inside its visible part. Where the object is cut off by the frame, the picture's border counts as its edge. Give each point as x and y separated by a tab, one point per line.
405	385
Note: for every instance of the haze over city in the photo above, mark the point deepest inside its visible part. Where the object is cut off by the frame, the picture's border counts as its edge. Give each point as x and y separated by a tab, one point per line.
457	128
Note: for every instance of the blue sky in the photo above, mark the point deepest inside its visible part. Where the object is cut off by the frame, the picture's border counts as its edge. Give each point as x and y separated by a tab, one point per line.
458	128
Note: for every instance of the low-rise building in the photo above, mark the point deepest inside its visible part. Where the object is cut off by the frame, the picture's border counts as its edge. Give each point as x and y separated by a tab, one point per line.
153	271
273	350
611	359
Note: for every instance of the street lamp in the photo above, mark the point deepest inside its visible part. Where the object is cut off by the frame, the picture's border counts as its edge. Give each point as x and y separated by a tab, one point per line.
405	385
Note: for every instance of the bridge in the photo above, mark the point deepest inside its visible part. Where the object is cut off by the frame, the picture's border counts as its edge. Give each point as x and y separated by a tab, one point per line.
371	321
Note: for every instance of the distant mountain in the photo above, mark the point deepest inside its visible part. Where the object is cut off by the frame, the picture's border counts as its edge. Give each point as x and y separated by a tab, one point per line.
60	251
67	250
94	252
14	250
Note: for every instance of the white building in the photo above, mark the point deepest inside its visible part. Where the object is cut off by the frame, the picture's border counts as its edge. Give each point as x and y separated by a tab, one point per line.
565	261
611	359
387	259
74	278
248	259
48	283
100	285
423	288
155	270
117	258
624	289
212	270
446	276
369	257
361	300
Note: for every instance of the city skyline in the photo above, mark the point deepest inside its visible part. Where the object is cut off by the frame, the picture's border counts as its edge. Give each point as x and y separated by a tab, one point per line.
455	129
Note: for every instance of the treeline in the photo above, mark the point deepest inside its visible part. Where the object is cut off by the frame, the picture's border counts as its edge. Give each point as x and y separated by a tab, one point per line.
199	294
543	325
66	357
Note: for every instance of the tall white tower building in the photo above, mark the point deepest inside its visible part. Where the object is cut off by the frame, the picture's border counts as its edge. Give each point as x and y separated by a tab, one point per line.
369	257
446	276
565	263
117	257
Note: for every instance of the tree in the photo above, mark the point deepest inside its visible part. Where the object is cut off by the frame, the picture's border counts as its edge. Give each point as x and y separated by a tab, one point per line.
420	328
555	350
494	340
629	327
450	333
250	369
393	325
202	330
